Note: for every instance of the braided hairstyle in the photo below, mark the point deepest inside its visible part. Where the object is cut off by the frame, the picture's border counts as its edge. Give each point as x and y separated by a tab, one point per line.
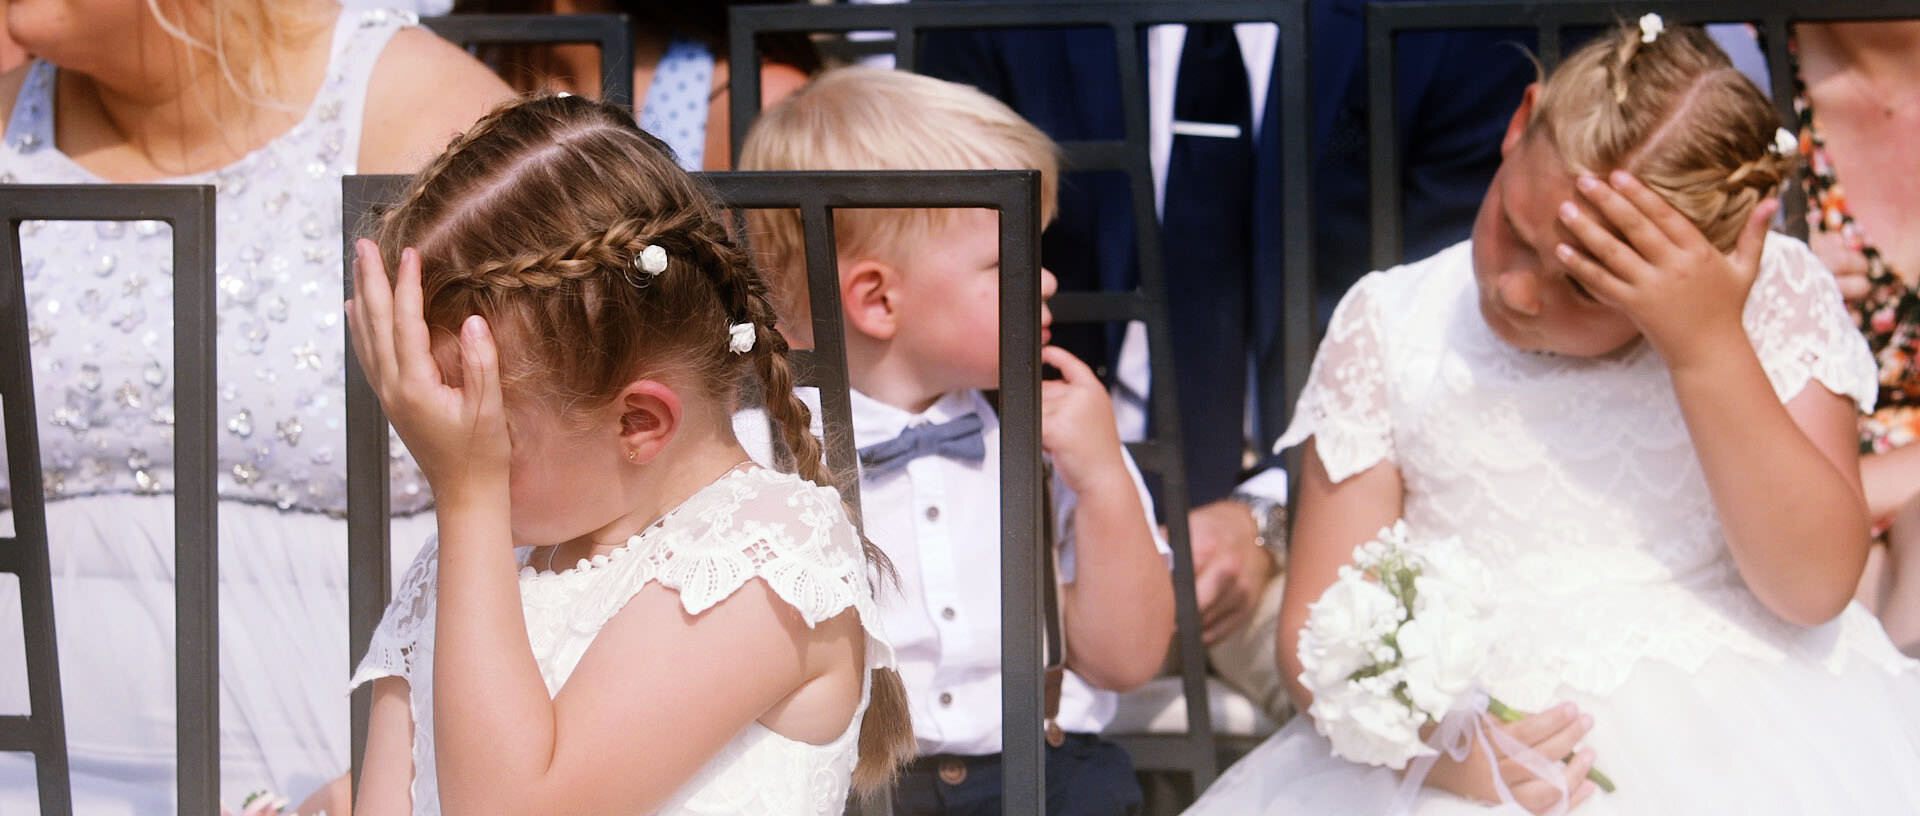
1675	113
536	219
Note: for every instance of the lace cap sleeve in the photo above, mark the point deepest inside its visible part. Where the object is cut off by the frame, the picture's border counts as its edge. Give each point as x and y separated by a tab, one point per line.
409	617
1801	330
1344	404
759	523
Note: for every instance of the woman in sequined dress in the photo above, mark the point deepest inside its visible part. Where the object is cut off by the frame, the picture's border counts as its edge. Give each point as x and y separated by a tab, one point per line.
1863	80
271	102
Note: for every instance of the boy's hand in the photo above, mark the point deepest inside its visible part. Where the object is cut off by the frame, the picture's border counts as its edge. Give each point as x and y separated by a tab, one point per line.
457	433
1076	423
1683	294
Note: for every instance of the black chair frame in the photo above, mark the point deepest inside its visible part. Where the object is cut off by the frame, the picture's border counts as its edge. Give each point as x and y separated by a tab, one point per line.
611	32
1193	752
189	209
1015	194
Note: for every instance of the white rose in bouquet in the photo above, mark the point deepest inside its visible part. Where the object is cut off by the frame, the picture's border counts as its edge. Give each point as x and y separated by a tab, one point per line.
1395	643
1440	657
1345	629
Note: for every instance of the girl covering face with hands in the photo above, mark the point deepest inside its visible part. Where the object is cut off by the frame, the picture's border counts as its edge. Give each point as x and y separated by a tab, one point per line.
621	614
1634	407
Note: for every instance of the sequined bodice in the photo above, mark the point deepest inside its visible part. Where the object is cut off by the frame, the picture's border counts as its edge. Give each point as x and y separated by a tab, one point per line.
1575	480
99	296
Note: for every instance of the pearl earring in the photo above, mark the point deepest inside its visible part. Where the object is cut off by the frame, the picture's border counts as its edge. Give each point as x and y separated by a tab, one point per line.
631	454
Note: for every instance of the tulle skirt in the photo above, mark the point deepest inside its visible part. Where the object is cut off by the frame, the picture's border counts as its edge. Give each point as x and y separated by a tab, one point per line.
283	651
1739	736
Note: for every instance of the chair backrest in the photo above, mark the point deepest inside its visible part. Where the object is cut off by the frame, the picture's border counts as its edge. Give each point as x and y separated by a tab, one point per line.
1015	194
1552	21
1193	752
611	32
189	209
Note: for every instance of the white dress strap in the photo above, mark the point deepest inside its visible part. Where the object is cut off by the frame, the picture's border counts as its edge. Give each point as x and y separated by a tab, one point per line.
360	36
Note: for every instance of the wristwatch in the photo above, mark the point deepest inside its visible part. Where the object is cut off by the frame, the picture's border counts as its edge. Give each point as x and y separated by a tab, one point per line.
1270	524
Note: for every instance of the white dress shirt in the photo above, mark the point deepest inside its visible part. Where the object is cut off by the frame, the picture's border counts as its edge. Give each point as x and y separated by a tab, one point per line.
938	519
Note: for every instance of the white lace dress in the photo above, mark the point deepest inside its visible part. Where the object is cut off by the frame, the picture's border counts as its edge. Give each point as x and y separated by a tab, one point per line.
1575	481
751	523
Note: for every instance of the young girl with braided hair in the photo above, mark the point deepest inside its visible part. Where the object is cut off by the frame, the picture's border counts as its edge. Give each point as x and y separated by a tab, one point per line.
1635	407
621	613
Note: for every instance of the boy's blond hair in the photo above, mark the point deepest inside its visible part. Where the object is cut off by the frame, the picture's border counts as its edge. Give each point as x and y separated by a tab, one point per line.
876	119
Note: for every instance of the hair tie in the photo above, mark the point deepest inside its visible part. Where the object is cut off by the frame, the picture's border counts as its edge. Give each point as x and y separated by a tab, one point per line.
740	337
1651	27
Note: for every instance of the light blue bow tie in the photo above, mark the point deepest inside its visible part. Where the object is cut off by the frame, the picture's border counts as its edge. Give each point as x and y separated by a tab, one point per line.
957	439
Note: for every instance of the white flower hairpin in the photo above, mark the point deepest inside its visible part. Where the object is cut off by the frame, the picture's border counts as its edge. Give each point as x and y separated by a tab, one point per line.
1651	27
651	260
1785	143
740	337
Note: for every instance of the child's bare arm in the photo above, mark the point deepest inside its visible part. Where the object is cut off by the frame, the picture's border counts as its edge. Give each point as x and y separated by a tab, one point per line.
1119	606
1785	479
1332	519
386	768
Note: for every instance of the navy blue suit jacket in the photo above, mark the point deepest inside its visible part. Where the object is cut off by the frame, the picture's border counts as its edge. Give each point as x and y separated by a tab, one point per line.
1455	94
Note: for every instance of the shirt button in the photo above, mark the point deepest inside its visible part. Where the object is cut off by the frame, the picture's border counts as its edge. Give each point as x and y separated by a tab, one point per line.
947	613
933	513
946	698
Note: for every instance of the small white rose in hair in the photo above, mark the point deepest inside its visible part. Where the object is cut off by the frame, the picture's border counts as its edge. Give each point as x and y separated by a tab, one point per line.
1785	143
652	259
740	337
1651	27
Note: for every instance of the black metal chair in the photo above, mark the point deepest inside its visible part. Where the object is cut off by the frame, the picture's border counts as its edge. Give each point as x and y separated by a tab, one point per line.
189	209
1015	194
1552	22
611	32
1194	752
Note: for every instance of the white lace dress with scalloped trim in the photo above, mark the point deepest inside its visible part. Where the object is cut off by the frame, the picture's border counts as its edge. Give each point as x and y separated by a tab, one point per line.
1576	482
751	523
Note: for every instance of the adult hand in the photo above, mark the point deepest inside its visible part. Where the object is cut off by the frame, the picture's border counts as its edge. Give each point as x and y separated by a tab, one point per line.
1230	567
1684	295
457	430
1553	733
1848	264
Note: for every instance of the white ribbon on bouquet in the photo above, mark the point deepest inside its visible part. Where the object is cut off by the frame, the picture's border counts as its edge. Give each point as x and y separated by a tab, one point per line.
1465	724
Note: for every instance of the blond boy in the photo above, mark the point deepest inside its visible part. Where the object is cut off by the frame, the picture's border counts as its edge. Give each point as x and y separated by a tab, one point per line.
919	290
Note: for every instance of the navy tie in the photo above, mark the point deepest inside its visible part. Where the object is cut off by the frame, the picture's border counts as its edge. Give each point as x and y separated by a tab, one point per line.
1206	236
956	439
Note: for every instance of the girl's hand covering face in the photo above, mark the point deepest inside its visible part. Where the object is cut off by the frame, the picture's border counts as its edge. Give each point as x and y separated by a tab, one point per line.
1675	286
457	434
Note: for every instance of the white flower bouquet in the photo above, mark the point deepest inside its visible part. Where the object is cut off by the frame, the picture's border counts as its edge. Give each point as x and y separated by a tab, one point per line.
1397	643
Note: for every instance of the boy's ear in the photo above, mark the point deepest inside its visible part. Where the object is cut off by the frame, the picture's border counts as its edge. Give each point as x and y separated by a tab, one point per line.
649	417
1522	118
869	298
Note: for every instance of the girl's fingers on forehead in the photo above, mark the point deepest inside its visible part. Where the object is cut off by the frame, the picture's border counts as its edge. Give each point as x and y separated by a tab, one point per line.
1656	209
1593	237
1626	216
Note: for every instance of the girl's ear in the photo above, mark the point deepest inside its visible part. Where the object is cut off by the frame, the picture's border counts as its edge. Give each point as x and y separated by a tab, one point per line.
867	297
649	417
1522	118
